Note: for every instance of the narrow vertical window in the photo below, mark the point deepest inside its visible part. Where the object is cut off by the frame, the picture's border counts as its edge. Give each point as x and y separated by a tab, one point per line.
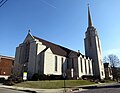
89	66
55	63
72	63
102	73
27	51
99	45
85	66
62	64
90	41
81	65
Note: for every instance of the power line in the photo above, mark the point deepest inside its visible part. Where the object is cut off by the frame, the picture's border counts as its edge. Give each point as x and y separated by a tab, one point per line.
2	2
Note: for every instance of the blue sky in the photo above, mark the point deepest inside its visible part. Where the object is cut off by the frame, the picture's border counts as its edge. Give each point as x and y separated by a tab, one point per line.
63	22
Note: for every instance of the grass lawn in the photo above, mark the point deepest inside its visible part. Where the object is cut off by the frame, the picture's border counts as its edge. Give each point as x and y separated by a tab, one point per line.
53	84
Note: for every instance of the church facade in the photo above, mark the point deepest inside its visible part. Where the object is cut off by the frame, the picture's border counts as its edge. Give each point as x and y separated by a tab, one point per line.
36	55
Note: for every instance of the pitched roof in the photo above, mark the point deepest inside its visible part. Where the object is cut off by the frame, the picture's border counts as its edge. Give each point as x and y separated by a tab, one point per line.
56	49
7	57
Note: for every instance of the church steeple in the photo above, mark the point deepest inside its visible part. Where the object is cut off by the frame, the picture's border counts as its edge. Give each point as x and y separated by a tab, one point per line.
89	18
93	48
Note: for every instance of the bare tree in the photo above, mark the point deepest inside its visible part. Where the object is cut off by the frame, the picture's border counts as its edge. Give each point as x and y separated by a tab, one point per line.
114	63
112	59
17	69
105	59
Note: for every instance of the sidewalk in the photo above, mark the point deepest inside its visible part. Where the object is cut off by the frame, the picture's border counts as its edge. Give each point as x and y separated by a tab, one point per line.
61	90
93	86
33	90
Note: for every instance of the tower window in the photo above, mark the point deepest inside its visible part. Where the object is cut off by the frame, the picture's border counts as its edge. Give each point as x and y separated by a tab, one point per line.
90	41
99	45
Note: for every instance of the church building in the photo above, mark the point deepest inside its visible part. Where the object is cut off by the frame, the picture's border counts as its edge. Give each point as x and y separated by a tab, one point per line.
36	55
93	49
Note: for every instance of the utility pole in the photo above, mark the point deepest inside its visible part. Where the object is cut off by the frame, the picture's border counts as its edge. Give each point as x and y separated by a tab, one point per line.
64	76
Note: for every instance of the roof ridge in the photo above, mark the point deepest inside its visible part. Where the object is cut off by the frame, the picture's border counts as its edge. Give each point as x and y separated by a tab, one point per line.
54	43
8	57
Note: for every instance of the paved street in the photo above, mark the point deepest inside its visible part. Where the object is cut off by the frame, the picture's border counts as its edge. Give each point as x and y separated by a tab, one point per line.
103	90
4	90
107	89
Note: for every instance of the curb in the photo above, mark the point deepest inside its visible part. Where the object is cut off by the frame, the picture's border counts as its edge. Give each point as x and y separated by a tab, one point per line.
33	90
17	88
70	89
94	86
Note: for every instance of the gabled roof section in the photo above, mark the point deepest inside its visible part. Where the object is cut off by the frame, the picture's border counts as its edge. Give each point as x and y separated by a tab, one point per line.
45	49
56	49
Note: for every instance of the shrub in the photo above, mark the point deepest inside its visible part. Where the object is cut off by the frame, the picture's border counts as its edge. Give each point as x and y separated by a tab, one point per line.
91	80
35	77
2	80
44	77
102	81
12	80
96	81
9	82
87	77
19	80
55	77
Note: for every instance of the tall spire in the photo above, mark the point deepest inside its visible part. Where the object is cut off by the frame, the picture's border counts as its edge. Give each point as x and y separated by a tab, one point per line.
89	18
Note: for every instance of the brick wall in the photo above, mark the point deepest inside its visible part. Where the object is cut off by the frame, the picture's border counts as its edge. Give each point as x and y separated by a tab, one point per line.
6	66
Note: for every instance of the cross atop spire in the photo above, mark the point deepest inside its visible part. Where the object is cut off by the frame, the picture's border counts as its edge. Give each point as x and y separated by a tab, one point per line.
29	31
89	18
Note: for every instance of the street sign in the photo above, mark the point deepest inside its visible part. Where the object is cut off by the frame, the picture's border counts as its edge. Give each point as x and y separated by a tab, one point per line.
72	72
24	75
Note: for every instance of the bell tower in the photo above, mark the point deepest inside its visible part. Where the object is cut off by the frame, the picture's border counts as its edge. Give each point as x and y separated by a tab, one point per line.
93	48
